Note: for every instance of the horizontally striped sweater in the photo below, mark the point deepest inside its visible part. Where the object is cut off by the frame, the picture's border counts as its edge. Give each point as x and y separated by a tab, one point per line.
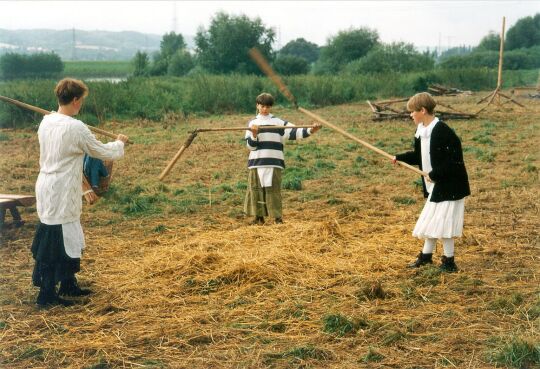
267	148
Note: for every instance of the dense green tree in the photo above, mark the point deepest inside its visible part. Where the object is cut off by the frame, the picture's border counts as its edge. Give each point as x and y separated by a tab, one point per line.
170	44
42	65
180	63
345	47
141	63
290	64
301	48
491	41
159	65
524	34
223	48
396	57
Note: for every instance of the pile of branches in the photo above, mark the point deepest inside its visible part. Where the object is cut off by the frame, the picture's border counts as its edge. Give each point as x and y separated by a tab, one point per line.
440	90
383	110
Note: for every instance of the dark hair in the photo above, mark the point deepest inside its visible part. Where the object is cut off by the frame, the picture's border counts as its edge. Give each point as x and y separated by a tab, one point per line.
422	100
265	99
68	89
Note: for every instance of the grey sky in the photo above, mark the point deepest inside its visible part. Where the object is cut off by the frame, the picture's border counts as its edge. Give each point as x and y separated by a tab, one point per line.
423	23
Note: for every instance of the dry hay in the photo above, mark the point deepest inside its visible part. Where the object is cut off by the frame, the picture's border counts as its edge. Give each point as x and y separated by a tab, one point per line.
327	289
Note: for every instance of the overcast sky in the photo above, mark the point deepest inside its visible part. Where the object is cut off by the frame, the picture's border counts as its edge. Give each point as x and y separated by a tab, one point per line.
423	23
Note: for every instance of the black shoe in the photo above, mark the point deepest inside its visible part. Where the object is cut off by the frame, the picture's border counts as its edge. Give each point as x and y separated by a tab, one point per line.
70	287
421	259
257	221
448	265
49	298
278	220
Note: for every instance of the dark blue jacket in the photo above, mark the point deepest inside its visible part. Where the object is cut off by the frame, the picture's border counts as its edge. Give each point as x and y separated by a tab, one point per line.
449	173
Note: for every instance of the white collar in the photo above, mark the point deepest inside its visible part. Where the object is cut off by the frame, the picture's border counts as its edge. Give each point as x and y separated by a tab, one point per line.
425	131
269	116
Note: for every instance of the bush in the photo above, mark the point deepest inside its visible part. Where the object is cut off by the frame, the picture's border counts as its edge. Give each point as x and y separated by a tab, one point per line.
180	64
512	60
289	64
396	57
154	97
42	65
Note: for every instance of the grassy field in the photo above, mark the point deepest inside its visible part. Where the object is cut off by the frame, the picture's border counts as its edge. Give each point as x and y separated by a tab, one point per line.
182	281
98	69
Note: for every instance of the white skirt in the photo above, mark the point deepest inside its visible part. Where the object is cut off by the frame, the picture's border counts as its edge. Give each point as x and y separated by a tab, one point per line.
440	219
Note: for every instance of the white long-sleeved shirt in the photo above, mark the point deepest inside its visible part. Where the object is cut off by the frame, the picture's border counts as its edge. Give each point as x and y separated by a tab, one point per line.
63	141
267	148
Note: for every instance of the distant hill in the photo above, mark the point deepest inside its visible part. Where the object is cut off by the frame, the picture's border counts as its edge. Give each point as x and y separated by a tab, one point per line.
81	45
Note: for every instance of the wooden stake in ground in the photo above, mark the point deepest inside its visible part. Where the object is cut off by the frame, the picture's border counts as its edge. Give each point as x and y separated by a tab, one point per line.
265	67
46	112
496	94
179	153
88	193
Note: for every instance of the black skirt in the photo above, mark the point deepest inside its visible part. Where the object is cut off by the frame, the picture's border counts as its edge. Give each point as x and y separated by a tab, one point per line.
50	255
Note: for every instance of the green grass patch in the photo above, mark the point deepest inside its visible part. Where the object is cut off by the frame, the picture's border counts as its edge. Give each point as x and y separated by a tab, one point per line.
482	155
98	69
403	200
518	353
427	276
339	325
300	353
32	352
506	304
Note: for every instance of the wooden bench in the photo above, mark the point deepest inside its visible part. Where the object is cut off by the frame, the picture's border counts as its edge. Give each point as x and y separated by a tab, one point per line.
11	202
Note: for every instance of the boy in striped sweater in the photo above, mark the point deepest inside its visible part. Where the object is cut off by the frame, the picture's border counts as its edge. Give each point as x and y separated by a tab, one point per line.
266	160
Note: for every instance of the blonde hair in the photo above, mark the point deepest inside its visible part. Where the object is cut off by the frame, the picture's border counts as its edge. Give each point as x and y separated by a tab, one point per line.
422	100
68	89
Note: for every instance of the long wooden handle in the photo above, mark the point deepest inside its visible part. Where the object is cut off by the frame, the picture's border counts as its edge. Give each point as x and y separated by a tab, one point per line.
247	129
263	64
369	146
46	112
178	154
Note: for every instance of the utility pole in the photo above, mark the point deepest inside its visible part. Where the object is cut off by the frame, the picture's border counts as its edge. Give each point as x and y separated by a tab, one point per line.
74	46
174	17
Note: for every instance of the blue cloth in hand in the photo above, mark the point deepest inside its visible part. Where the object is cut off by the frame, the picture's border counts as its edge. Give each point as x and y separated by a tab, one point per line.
94	169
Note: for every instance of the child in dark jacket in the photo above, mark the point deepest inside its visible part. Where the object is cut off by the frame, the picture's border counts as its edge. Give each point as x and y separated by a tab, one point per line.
437	151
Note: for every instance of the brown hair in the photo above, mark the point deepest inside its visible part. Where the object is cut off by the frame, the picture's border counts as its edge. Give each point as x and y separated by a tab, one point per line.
265	99
421	100
68	89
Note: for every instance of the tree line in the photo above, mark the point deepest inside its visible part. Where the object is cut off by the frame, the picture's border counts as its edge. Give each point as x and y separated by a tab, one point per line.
222	49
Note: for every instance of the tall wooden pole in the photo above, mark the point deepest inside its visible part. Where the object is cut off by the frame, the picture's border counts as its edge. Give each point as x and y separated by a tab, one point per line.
497	92
501	51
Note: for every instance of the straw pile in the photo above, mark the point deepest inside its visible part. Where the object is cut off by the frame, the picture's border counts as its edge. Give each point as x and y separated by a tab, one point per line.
327	289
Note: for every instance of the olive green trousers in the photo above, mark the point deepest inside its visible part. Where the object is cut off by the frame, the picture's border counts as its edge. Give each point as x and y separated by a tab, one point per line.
264	201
